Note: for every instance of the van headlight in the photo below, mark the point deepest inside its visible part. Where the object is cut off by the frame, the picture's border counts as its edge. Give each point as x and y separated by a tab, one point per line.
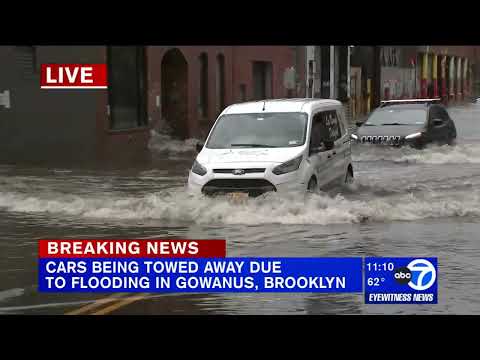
353	136
288	166
413	136
198	169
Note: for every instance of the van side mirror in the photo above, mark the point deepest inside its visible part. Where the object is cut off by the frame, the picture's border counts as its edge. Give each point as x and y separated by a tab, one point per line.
199	146
328	145
360	121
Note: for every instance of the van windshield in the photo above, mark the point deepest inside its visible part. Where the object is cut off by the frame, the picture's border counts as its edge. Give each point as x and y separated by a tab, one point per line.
258	130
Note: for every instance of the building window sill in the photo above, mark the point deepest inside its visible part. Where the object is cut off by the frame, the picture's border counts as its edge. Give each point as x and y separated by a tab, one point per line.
128	131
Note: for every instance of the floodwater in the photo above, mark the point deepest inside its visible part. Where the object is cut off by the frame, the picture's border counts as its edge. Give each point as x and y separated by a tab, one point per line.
405	202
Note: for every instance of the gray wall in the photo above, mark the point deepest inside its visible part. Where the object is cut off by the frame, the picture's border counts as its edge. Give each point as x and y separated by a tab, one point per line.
44	125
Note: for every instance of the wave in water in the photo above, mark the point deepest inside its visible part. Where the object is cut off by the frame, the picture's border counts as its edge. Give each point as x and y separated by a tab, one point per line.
458	154
178	206
11	293
164	143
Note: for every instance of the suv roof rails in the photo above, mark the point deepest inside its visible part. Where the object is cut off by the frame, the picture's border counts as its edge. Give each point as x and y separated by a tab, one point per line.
409	101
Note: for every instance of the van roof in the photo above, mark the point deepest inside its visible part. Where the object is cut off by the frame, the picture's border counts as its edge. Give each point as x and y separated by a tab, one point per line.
279	105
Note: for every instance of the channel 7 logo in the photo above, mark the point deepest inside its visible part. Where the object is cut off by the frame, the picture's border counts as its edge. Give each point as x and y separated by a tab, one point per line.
419	274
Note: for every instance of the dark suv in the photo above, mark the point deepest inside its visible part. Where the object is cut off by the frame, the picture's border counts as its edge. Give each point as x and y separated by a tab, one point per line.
408	123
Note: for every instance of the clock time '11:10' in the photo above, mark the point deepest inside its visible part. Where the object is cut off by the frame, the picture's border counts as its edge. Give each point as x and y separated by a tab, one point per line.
380	266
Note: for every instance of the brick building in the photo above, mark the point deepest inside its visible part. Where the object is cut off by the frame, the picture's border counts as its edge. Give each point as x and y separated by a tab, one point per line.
213	77
181	89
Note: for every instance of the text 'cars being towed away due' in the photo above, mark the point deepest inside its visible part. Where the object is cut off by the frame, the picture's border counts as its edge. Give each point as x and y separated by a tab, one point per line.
408	122
274	146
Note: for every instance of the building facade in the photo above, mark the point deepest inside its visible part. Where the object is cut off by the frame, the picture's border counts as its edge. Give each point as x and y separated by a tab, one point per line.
327	73
179	90
404	72
444	72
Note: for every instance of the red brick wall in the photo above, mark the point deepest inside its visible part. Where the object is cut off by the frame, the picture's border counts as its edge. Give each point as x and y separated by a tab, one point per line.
281	58
238	70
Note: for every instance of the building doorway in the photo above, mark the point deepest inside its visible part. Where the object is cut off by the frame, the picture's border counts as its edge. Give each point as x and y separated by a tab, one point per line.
262	80
174	70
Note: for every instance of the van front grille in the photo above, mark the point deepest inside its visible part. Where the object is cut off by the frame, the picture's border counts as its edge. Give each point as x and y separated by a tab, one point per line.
245	171
254	187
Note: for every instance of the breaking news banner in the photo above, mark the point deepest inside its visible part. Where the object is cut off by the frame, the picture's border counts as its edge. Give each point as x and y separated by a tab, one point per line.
185	266
73	76
400	280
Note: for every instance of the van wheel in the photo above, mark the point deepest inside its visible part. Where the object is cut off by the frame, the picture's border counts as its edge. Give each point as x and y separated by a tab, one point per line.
349	177
452	141
312	185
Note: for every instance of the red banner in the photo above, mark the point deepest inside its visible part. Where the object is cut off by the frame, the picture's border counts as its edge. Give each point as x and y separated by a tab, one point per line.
73	76
131	248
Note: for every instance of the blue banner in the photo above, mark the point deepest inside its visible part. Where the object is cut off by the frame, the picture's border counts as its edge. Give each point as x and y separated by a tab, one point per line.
294	275
403	280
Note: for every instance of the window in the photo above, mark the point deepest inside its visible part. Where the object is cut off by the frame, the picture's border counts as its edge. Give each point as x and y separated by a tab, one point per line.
325	128
127	87
341	123
262	80
437	112
220	82
26	57
325	71
203	98
443	113
258	130
243	92
318	130
342	73
394	115
333	125
310	79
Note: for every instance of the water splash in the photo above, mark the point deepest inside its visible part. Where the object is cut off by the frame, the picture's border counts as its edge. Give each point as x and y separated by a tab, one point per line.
458	154
11	293
180	207
164	143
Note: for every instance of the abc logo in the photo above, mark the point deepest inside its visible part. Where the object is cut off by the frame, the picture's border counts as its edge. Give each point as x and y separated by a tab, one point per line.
403	275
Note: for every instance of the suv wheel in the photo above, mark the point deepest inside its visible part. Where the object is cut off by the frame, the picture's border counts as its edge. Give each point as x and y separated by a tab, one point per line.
349	177
312	185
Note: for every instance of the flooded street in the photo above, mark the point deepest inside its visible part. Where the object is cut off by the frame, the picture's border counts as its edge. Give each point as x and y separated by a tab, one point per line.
405	202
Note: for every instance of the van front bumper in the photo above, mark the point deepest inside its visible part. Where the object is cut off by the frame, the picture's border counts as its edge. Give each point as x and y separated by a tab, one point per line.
254	186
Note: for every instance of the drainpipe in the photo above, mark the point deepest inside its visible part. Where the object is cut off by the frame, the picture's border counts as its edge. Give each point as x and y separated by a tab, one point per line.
423	83
348	72
453	64
434	76
465	77
444	78
332	72
459	79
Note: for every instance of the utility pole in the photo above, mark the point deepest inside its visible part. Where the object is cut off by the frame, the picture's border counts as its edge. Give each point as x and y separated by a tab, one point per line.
376	77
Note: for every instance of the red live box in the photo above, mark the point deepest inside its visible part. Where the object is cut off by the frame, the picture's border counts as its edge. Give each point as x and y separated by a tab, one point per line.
73	76
131	248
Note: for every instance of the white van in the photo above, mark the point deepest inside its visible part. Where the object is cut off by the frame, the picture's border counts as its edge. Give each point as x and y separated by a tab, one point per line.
274	145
